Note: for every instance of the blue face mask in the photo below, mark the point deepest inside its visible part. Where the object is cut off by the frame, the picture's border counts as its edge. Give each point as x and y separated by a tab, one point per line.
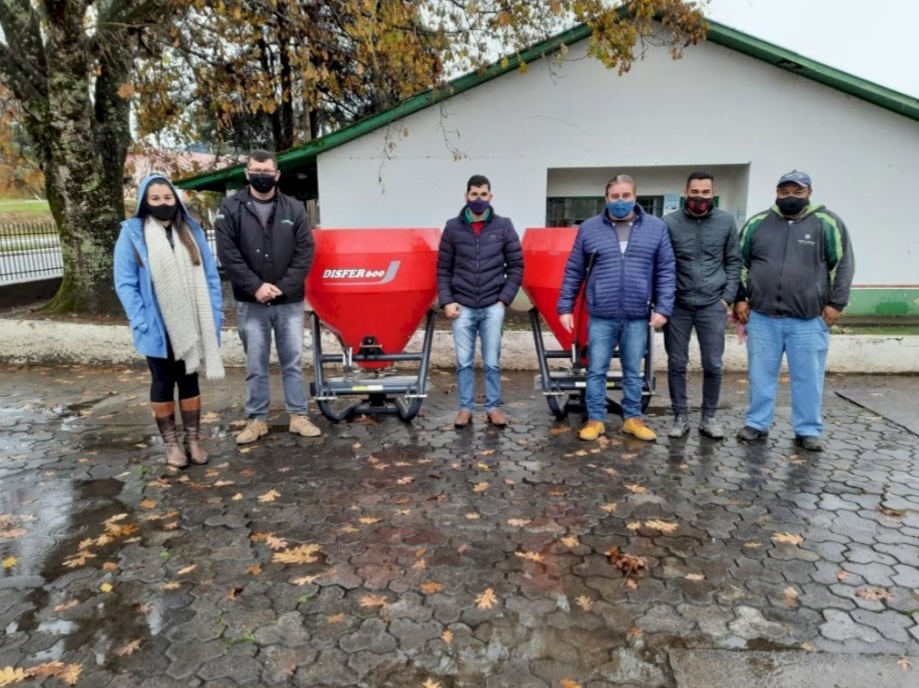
620	209
479	206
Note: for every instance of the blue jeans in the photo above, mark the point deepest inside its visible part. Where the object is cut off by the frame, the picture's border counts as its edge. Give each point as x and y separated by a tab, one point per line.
602	337
486	323
256	322
805	342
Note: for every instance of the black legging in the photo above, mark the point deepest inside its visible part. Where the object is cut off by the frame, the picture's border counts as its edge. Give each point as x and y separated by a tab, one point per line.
167	373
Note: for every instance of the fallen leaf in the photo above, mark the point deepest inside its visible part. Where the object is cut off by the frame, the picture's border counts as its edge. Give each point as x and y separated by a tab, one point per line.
374	601
633	525
10	675
420	565
128	649
891	513
483	467
487	452
791	597
247	472
148	504
480	487
431	587
269	496
335	618
10	562
171	585
877	594
472	516
447	636
788	538
12	533
486	600
842	575
631	584
637	489
559	430
172	525
904	664
254	570
585	603
71	674
304	554
306	580
349	529
237	497
530	556
568	683
187	569
610	507
430	683
570	541
807	647
106	587
64	606
110	566
663	526
635	632
368	520
235	593
224	483
752	545
629	564
518	522
405	481
695	576
275	542
628	457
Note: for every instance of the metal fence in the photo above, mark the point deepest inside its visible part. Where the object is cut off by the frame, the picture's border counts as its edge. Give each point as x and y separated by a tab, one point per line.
31	251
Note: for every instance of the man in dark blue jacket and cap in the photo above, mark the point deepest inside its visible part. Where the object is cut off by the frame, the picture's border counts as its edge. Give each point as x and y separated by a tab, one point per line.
479	270
630	286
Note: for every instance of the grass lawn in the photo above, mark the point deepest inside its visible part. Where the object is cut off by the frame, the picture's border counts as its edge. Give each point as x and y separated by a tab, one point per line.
23	210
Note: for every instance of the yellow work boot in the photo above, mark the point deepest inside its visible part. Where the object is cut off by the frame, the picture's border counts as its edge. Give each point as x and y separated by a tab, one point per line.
592	430
303	426
254	430
636	426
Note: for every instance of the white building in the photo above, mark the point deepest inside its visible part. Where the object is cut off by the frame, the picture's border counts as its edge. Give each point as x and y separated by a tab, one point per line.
550	137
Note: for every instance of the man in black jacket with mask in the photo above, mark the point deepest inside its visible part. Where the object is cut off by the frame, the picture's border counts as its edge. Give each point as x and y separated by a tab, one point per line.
707	252
479	270
265	245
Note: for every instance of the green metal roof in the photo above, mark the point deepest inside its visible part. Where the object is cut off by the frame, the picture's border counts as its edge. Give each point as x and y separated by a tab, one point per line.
305	156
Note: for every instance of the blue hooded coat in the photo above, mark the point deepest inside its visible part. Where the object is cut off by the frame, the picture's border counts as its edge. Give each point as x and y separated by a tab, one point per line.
134	285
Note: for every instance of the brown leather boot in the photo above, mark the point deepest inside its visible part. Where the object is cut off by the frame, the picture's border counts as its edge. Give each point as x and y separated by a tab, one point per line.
165	414
191	424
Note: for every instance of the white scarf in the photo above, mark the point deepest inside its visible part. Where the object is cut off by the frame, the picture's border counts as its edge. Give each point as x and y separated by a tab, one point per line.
184	300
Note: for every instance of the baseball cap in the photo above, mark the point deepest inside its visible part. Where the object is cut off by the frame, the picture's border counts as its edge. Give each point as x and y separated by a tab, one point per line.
795	177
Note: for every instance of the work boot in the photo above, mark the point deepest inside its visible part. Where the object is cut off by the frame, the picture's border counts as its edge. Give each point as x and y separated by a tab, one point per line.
303	426
497	418
463	418
191	424
254	430
636	426
592	430
809	442
711	428
165	414
679	427
750	434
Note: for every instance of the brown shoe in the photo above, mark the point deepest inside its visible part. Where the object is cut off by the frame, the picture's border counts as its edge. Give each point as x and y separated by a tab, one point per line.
255	429
497	418
165	414
463	418
303	426
191	424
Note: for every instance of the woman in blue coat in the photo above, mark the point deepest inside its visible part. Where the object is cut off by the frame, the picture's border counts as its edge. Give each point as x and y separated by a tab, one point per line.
167	281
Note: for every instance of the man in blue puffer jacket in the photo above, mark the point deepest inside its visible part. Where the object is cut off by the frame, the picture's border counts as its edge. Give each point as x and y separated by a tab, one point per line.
631	284
479	270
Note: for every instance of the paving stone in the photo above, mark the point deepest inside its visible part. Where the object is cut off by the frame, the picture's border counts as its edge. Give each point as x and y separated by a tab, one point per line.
841	626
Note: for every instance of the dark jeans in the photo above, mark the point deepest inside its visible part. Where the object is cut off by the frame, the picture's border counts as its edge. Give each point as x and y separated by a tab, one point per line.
710	323
167	373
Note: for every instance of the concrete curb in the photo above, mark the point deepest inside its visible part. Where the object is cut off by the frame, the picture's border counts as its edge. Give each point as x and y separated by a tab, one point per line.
44	341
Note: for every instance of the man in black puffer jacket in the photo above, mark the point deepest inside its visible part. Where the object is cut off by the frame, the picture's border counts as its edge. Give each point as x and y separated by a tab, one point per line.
479	270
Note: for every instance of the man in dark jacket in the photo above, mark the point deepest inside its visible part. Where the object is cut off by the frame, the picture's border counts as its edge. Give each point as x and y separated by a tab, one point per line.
265	245
797	274
707	254
479	270
630	286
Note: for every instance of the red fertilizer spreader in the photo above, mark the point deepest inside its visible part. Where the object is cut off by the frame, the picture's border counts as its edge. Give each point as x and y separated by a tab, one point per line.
545	253
371	288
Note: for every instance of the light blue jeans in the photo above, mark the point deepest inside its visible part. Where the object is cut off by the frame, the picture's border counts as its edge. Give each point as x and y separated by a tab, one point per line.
805	342
486	323
256	322
603	335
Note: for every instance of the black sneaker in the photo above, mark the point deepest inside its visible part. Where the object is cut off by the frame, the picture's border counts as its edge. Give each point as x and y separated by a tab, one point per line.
750	434
809	442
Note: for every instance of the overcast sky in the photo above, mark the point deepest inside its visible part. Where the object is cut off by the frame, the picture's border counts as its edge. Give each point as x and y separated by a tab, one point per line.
873	39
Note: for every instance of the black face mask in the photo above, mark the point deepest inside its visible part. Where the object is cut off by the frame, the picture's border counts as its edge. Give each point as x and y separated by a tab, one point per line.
166	211
791	205
263	183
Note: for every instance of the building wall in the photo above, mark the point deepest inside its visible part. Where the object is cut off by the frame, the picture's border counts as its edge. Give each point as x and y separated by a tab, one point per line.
570	124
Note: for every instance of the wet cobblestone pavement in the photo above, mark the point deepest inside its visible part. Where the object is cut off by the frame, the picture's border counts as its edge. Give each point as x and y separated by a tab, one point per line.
416	555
